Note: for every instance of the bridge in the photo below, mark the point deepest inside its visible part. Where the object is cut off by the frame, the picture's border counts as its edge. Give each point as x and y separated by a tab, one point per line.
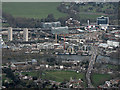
90	67
94	55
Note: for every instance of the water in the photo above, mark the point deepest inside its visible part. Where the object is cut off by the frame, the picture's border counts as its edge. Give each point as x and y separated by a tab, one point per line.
107	59
81	58
74	57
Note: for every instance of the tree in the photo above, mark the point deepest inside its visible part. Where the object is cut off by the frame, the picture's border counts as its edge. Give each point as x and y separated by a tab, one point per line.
11	75
50	18
34	78
22	22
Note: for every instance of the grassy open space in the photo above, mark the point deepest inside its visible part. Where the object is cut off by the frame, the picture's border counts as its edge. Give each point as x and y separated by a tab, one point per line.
31	73
100	78
62	75
89	16
32	9
41	10
58	76
112	66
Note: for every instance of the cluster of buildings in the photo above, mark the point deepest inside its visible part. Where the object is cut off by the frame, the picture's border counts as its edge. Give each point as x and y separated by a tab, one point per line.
56	28
23	65
51	24
101	24
114	83
34	65
113	40
72	22
71	44
64	44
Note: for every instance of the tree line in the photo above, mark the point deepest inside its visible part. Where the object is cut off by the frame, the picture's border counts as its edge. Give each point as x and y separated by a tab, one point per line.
72	10
23	22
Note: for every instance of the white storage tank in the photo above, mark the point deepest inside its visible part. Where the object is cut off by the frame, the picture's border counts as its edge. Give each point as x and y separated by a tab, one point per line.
110	43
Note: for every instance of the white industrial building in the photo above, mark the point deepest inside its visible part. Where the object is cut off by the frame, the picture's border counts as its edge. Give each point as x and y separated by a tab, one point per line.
103	45
45	45
51	24
113	43
60	30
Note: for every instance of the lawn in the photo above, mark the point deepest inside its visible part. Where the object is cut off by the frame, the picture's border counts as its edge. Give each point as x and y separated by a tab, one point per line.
100	78
58	76
32	10
112	66
33	73
62	75
89	16
42	9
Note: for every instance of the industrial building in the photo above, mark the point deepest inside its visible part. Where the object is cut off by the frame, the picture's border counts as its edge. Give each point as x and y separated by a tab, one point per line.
103	45
113	43
103	22
51	24
59	30
72	22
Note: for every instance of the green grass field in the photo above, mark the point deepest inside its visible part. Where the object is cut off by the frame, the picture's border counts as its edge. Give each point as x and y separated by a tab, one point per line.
32	10
89	16
112	66
42	9
100	78
31	73
58	76
62	75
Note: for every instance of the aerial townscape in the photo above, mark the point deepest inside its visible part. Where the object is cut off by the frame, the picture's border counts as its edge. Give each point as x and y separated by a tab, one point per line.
60	45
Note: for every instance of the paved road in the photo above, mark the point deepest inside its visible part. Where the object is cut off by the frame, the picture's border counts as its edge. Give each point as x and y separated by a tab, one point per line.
90	67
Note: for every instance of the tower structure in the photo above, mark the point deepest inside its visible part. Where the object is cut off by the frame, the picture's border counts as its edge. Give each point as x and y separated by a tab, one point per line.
88	22
25	34
10	35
